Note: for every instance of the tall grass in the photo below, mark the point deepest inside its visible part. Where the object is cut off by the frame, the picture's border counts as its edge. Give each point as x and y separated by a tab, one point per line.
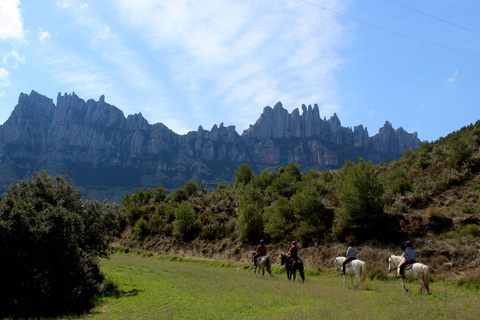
163	288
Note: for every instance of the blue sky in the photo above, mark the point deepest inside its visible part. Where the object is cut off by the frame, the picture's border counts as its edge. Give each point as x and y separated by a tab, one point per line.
190	63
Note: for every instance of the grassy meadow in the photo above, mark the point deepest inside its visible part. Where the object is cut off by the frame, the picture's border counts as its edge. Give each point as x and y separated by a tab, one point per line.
161	287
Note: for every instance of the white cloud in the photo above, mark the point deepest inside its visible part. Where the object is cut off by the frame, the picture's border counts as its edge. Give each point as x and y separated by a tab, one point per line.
11	26
62	4
249	54
4	82
42	35
12	59
454	76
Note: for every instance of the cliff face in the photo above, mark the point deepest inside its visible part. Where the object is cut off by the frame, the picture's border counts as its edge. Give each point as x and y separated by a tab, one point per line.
95	139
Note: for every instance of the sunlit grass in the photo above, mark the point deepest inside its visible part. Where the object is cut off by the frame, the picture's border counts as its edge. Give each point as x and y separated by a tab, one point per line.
166	288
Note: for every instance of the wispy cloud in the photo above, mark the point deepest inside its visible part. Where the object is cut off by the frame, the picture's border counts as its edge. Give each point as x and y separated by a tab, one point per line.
42	34
11	26
454	76
4	82
245	55
12	59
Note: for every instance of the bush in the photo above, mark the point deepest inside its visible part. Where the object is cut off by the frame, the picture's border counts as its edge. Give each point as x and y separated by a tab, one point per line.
186	226
469	282
51	243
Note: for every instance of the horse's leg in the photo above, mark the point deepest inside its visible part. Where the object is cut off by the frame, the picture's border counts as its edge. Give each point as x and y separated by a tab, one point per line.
419	277
344	280
353	283
403	285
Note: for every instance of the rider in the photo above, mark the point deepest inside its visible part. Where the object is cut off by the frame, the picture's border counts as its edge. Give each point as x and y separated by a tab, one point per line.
261	251
409	257
351	255
292	253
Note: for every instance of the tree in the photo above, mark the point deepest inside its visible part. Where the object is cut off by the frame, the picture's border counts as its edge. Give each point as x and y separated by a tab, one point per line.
250	221
360	195
51	243
185	226
243	175
314	219
278	220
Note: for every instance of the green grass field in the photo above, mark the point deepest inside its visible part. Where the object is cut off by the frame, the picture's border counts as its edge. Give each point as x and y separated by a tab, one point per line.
156	287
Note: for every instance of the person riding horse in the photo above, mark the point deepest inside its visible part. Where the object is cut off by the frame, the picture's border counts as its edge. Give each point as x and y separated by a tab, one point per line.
292	254
261	251
409	258
351	255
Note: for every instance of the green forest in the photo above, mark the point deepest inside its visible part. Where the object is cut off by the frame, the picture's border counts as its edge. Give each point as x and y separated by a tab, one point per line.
356	202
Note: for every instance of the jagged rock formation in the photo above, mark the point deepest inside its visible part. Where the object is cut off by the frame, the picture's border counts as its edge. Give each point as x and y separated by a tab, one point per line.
96	145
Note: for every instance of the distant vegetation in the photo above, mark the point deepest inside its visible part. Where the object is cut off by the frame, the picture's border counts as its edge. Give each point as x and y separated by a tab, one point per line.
312	207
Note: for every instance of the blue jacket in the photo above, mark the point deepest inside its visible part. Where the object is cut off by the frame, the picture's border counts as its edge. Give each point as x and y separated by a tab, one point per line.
410	254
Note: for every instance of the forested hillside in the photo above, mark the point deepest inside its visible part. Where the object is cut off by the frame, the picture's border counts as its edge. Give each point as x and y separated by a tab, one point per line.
431	193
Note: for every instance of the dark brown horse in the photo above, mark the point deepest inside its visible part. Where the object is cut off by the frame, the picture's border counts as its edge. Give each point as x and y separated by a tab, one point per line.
292	267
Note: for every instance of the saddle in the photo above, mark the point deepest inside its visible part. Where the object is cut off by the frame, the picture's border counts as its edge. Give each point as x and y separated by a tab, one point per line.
409	266
348	263
294	260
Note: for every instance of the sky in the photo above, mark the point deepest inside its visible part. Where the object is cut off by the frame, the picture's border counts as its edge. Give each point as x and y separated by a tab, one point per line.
188	63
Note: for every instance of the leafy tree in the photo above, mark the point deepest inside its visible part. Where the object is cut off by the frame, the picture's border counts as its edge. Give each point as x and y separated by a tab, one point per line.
279	220
178	196
243	175
51	243
185	226
250	220
459	152
360	195
159	194
190	188
314	219
398	181
287	181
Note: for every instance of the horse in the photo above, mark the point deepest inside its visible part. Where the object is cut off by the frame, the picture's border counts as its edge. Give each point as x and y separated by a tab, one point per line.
354	268
293	267
262	263
417	271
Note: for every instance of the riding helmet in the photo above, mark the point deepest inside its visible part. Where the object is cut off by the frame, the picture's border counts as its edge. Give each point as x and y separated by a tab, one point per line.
408	244
262	241
294	242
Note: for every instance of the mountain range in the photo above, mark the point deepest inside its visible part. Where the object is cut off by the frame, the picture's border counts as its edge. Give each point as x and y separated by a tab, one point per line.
109	155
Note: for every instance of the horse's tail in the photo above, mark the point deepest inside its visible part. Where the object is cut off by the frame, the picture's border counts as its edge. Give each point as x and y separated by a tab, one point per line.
300	269
363	271
426	278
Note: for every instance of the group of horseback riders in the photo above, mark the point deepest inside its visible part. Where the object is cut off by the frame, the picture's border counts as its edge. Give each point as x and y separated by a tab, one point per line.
292	255
409	255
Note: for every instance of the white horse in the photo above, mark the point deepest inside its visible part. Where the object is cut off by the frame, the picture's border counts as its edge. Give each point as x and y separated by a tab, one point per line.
262	263
356	268
418	271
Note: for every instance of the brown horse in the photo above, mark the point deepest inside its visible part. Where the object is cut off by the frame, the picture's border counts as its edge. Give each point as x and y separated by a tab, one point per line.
292	268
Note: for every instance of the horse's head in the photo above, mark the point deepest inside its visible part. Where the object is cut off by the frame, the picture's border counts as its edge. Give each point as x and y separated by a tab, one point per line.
336	264
391	264
282	259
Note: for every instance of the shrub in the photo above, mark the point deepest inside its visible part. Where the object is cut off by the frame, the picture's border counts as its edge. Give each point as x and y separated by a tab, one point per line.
471	229
186	226
469	282
433	212
51	243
